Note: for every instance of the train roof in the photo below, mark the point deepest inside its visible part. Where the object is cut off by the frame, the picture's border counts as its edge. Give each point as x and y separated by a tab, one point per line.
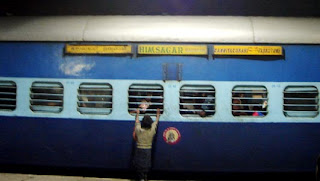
191	29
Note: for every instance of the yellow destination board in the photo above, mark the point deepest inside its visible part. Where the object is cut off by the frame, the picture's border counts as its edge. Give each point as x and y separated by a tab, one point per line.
172	49
98	49
247	50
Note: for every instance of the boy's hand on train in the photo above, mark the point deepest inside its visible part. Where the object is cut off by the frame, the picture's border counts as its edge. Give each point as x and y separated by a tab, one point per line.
158	111
138	111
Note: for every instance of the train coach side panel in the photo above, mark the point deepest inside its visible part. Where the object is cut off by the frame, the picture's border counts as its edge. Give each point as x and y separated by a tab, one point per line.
300	64
221	143
214	147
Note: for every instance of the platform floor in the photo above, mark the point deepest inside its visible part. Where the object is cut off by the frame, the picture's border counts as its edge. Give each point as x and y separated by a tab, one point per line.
30	177
35	177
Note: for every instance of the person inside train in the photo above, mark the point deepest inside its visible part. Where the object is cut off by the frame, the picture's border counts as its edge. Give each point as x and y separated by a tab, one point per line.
237	108
258	111
144	133
146	102
149	97
144	105
207	105
189	108
244	100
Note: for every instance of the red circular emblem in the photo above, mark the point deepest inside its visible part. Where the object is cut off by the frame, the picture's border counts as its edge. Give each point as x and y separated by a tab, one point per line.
171	135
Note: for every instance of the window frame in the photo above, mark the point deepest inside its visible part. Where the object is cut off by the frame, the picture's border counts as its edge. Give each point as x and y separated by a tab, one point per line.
139	98
295	112
94	87
199	110
251	102
41	108
15	93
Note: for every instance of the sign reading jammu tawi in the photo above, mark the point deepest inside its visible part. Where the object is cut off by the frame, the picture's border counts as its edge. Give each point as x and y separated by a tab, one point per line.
247	50
172	49
98	49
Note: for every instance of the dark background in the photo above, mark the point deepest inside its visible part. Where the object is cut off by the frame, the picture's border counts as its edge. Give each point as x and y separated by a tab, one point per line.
161	7
287	8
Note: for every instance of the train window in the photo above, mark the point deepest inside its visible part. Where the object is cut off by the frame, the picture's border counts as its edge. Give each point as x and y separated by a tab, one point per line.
301	101
46	97
95	98
197	100
8	94
249	101
147	97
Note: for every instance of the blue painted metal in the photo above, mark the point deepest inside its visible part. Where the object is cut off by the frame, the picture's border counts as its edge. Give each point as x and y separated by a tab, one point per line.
205	146
300	64
220	147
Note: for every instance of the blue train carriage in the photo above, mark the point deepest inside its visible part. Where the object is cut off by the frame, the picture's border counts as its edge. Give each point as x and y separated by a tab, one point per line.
237	94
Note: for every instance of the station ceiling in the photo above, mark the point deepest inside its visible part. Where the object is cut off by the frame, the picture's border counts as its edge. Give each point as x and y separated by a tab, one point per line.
297	8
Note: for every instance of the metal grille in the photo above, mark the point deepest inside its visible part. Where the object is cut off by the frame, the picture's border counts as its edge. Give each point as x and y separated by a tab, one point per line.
46	97
301	101
8	94
197	100
146	97
95	98
249	101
